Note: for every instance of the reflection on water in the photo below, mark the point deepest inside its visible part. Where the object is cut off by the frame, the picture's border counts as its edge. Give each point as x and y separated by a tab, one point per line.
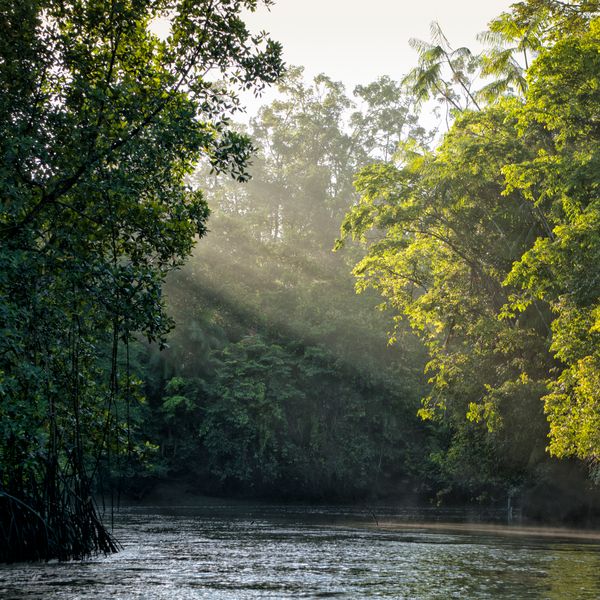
225	551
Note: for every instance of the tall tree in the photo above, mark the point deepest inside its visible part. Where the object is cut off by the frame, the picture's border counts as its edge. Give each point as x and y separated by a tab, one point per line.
440	238
443	73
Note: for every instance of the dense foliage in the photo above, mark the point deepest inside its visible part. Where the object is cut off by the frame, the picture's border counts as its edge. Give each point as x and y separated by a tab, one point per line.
488	244
295	391
562	268
456	240
100	122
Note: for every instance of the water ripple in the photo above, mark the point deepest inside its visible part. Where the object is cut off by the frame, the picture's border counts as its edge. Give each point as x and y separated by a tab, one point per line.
224	552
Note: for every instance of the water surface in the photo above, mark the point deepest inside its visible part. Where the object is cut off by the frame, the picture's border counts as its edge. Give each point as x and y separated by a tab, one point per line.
227	551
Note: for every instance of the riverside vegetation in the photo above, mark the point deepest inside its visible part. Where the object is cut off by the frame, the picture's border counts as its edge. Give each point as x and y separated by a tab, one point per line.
477	380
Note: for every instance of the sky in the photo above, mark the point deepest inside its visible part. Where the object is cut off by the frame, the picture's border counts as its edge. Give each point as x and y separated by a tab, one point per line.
357	41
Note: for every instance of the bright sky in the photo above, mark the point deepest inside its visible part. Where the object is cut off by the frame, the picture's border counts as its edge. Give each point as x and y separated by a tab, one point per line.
355	41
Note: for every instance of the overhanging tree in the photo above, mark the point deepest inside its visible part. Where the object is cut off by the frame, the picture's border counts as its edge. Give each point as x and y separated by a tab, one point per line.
101	121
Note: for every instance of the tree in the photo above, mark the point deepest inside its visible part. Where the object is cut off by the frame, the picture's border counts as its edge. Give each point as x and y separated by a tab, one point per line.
101	122
516	37
561	182
443	73
275	234
514	40
440	238
489	246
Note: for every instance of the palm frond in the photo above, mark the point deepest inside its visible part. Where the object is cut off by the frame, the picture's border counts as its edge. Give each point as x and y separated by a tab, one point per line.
463	52
491	38
437	35
419	45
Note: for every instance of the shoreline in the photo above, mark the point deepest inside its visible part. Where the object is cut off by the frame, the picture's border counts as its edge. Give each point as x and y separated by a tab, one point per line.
517	530
466	519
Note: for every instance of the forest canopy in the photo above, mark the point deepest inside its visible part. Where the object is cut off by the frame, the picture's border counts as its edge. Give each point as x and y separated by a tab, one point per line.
489	243
440	225
172	308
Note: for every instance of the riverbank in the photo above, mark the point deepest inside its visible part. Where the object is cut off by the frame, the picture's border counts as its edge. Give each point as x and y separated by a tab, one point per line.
511	530
387	515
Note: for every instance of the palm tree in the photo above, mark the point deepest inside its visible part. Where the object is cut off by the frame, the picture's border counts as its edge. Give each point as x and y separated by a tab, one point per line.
514	40
443	72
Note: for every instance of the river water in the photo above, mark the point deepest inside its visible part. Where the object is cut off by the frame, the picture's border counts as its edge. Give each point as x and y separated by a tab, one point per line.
236	552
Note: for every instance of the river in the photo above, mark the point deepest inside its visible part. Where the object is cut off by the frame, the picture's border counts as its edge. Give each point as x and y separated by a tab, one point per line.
231	551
